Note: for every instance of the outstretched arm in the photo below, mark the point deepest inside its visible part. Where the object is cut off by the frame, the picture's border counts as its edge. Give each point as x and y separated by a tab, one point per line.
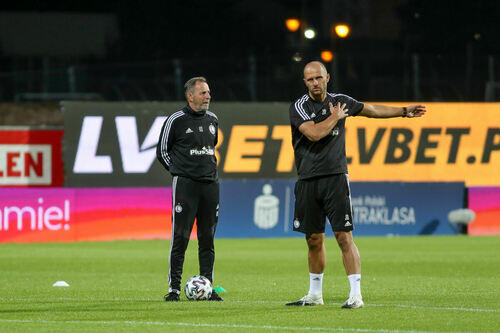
384	111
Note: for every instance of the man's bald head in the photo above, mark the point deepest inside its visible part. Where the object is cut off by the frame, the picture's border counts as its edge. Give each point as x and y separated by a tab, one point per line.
316	79
315	66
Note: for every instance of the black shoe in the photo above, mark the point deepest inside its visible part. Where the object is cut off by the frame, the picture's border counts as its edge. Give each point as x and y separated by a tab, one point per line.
215	297
172	297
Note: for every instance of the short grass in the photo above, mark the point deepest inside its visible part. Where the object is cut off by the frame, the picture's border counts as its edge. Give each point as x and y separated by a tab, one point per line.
410	284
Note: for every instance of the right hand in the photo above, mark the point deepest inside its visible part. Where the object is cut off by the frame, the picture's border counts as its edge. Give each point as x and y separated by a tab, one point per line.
339	111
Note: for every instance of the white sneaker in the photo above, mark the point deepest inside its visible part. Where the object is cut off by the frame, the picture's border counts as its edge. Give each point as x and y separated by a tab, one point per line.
308	300
353	302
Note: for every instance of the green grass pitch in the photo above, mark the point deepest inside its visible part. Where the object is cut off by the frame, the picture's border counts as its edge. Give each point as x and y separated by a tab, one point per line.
409	284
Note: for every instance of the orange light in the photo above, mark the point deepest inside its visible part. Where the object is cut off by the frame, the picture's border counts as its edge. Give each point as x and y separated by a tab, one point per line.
292	24
342	30
326	56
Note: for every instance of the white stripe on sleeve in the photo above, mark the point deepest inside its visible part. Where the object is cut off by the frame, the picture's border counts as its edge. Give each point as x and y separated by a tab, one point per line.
166	133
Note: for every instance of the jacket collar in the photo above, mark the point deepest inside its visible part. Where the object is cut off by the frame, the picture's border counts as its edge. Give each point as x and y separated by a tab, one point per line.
193	112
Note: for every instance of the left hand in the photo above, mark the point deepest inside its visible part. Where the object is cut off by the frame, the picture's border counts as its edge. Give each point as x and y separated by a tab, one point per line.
415	111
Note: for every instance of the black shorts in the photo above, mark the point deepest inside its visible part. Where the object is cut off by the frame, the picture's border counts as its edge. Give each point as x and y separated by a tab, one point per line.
318	198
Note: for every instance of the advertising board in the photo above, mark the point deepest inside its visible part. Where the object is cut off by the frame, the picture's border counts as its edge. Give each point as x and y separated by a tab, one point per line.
113	144
30	157
248	208
485	202
65	215
264	208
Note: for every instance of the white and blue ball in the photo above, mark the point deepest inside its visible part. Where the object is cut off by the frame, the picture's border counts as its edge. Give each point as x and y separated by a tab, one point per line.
198	288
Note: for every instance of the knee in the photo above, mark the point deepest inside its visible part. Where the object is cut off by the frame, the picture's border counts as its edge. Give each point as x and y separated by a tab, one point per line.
314	242
205	235
345	242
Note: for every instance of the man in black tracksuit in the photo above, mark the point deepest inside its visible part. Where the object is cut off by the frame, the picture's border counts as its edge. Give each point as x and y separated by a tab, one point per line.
186	148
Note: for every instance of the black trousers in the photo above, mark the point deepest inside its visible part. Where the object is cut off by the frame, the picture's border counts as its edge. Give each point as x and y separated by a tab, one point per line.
192	199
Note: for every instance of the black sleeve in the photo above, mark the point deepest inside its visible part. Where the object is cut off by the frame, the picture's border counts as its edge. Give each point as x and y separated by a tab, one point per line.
215	119
298	115
352	105
165	140
216	134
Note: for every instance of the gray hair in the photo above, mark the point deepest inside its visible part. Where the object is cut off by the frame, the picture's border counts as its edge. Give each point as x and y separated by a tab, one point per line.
189	85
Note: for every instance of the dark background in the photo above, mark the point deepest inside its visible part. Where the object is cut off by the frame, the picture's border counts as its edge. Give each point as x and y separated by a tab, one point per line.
129	50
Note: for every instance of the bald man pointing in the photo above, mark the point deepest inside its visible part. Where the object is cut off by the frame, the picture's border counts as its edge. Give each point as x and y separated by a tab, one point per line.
322	190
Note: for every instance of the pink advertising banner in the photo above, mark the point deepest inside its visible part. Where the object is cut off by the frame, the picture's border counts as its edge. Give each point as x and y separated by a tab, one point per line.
84	214
485	202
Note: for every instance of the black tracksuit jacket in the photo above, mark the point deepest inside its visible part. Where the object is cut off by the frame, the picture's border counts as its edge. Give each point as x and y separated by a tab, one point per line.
186	148
187	143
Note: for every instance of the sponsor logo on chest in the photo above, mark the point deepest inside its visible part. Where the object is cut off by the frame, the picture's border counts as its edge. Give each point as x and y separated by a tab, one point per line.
203	151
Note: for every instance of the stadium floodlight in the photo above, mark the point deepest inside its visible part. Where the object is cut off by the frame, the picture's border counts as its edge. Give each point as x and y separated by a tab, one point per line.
342	30
326	55
292	24
310	33
297	57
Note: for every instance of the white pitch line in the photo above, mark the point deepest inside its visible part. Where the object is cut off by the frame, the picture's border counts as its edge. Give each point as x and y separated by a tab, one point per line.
166	323
436	308
392	305
243	301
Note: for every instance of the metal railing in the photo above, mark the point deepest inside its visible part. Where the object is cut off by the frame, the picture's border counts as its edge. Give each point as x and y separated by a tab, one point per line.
271	78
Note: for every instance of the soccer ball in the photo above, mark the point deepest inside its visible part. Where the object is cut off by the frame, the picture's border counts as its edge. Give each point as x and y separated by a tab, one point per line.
198	288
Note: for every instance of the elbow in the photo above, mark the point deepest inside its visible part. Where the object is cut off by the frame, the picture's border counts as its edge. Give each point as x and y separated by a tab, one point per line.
369	112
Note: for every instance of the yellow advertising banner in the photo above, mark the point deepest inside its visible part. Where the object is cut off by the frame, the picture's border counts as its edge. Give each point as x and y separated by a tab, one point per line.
452	142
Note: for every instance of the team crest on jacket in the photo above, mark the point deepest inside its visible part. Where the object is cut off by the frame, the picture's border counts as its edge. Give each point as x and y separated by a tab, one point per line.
211	128
178	208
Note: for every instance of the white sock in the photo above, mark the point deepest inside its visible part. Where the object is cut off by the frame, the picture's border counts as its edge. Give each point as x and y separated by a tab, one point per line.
315	284
355	282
